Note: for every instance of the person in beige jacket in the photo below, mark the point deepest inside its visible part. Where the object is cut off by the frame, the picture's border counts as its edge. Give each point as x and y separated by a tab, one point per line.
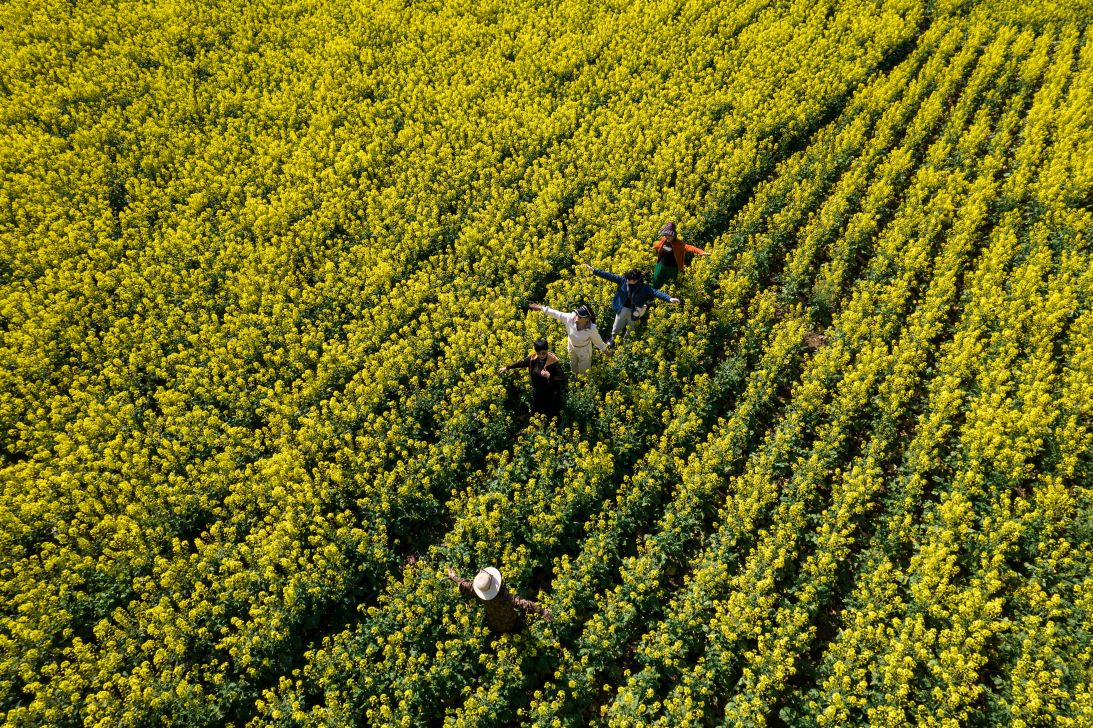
583	335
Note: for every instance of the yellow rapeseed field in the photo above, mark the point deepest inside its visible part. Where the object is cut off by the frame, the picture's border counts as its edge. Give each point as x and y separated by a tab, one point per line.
260	264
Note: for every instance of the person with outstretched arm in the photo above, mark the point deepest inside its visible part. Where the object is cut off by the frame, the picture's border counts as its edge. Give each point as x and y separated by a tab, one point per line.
504	610
583	335
631	299
547	379
671	255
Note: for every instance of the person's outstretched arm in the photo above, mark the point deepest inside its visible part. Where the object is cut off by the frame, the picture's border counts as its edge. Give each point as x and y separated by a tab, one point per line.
606	275
529	606
597	340
465	587
552	312
663	296
522	364
694	249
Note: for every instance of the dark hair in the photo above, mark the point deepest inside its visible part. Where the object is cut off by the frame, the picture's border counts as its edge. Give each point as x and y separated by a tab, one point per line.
541	345
585	311
634	275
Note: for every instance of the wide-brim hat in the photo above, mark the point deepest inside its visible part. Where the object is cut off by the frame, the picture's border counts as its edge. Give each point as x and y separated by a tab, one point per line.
487	583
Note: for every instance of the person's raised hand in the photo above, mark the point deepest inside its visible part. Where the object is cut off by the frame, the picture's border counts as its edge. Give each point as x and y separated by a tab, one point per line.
673	301
587	266
535	306
501	370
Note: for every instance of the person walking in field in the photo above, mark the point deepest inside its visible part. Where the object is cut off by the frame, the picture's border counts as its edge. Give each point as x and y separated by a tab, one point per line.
631	299
583	335
547	379
501	605
671	255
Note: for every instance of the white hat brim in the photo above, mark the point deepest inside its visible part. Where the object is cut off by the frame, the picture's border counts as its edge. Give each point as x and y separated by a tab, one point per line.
495	585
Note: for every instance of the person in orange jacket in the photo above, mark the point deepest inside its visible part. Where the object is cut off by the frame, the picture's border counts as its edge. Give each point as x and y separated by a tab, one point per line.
671	255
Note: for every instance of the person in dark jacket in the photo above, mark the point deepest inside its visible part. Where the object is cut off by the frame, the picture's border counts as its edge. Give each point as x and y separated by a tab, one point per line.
547	379
501	605
631	299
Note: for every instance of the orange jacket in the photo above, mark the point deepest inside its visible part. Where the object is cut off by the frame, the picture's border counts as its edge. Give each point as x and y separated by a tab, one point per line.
679	250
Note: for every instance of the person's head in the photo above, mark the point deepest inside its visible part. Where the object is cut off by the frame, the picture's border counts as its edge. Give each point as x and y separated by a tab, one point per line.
634	276
541	349
668	231
487	583
584	316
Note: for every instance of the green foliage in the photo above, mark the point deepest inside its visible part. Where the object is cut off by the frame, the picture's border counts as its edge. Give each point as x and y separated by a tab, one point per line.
261	263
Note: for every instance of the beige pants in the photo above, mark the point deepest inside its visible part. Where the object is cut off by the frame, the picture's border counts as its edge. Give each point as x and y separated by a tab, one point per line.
580	357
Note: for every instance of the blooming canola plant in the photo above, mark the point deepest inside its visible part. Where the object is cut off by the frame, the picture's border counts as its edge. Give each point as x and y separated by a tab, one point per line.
259	264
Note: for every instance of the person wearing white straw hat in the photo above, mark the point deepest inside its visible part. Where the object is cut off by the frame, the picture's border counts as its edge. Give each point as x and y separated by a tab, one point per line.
501	614
487	583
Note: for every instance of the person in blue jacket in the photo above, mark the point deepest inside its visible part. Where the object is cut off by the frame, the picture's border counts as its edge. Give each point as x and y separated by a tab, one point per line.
631	299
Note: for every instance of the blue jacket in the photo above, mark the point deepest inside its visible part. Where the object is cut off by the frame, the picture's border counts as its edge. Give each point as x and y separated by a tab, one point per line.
639	295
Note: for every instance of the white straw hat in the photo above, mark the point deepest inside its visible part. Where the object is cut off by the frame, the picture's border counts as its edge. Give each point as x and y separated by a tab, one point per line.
487	583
